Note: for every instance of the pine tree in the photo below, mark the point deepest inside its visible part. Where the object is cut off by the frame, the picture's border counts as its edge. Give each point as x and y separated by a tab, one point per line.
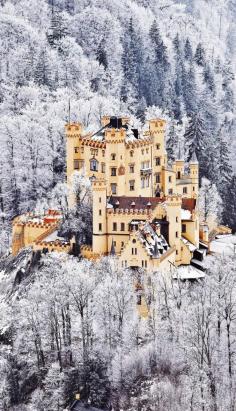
101	56
208	78
57	28
70	6
159	67
178	76
197	140
199	56
42	74
132	67
188	51
224	173
229	212
189	89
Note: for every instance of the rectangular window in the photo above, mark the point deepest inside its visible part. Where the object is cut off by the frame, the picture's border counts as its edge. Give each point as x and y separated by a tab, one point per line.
131	185
131	168
113	171
158	161
184	228
122	244
114	227
113	188
170	179
122	226
100	227
185	190
176	252
93	165
145	263
158	180
76	164
100	212
158	146
76	149
134	251
113	156
178	175
177	219
103	167
100	199
139	300
170	191
176	234
147	181
142	182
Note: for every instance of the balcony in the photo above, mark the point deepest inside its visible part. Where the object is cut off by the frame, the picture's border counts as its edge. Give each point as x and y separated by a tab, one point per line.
146	171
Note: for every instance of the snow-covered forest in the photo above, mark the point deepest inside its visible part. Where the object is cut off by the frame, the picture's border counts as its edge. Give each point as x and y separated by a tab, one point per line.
67	325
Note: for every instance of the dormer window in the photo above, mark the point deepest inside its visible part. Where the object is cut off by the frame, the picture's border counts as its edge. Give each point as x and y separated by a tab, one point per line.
113	156
93	164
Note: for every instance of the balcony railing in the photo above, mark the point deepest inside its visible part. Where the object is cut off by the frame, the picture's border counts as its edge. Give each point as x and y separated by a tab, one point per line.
146	171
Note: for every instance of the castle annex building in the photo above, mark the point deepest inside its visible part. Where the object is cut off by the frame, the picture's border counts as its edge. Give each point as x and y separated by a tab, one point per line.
144	209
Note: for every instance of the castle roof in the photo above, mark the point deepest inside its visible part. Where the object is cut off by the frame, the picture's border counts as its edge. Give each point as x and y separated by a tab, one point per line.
155	243
194	159
126	202
188	204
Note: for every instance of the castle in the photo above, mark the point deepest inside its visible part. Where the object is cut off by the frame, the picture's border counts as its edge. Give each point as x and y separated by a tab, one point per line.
144	209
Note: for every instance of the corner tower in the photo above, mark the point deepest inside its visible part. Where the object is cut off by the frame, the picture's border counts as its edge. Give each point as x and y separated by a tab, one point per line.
99	216
194	174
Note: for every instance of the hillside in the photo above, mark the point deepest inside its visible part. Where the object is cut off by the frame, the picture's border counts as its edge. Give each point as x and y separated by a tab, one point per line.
68	324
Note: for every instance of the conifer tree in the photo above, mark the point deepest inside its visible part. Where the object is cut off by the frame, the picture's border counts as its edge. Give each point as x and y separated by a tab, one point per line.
101	56
209	78
199	56
189	89
70	6
159	66
196	140
229	212
188	51
132	67
42	70
178	76
224	167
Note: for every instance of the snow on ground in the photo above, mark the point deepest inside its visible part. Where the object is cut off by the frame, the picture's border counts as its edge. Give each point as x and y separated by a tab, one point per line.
224	244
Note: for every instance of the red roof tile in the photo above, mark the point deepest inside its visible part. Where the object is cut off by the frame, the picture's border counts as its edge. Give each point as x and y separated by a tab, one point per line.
140	202
188	204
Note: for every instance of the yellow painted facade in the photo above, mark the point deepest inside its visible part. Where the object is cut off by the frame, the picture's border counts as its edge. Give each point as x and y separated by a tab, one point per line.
124	165
144	208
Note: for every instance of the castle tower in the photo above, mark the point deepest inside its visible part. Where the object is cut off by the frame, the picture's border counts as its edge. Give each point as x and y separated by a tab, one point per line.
73	134
99	216
159	156
194	175
179	165
115	152
173	214
17	236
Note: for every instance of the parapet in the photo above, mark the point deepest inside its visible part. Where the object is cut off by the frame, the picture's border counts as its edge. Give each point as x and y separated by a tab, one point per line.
73	129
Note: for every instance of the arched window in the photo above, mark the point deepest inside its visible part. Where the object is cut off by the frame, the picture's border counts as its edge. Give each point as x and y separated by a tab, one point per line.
93	164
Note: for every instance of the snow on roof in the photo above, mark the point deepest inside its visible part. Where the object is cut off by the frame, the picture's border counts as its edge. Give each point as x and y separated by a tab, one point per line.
156	245
224	244
185	214
191	246
188	272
